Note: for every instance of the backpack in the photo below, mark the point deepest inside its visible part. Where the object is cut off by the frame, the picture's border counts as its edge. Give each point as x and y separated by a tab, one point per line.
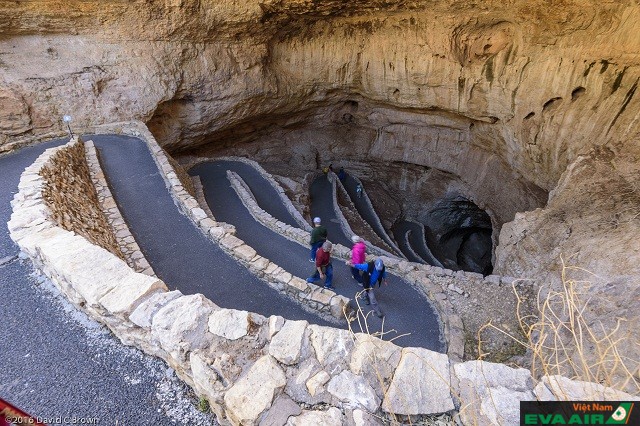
366	275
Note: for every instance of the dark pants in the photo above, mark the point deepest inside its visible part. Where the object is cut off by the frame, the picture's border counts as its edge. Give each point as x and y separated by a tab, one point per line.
314	249
355	272
328	272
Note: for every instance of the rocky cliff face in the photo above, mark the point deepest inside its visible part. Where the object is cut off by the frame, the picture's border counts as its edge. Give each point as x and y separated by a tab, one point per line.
510	99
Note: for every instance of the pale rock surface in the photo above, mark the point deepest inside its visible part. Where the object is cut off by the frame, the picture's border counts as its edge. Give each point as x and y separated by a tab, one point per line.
229	323
181	325
282	408
275	324
490	394
298	378
560	388
331	417
205	379
353	391
286	345
253	393
421	384
129	293
332	347
316	382
376	360
244	252
142	316
362	418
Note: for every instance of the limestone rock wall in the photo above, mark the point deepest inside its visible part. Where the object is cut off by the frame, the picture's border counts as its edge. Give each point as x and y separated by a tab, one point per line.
504	96
72	199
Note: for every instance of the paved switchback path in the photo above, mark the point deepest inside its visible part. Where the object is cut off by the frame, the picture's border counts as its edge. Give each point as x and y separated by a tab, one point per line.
410	245
365	210
406	310
56	362
179	253
321	193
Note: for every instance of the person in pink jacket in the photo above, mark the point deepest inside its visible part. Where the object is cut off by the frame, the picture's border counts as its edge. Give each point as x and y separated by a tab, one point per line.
357	257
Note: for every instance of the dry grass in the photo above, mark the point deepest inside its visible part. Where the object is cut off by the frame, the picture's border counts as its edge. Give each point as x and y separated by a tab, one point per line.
358	323
560	340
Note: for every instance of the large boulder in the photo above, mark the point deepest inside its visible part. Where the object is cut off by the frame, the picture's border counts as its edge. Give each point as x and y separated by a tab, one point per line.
286	345
490	394
420	385
253	393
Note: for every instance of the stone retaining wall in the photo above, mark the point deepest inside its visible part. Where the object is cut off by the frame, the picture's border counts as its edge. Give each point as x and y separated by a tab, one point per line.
71	197
382	249
303	224
257	370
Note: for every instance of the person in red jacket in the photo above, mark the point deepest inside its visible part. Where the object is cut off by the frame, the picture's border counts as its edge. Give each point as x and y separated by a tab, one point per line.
324	269
358	255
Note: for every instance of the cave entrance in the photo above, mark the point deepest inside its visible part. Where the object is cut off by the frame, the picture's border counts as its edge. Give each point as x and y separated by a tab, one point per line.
459	235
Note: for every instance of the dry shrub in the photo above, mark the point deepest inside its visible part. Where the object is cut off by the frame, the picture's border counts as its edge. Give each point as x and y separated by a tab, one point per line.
561	340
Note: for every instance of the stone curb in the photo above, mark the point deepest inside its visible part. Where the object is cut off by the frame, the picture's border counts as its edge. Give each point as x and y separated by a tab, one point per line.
283	197
377	218
372	247
128	245
424	242
322	299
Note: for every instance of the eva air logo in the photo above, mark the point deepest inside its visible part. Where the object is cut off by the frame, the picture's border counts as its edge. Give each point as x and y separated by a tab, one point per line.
621	415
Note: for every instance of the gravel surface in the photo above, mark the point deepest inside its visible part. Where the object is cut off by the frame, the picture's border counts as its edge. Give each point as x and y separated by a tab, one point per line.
58	363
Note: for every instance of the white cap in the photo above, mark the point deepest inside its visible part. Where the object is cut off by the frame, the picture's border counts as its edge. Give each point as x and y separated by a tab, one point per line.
355	239
316	220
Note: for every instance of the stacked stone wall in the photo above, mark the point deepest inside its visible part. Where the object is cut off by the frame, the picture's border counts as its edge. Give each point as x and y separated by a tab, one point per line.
72	199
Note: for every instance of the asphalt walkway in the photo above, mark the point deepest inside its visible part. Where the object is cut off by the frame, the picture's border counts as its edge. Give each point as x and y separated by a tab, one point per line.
322	206
56	362
180	254
406	310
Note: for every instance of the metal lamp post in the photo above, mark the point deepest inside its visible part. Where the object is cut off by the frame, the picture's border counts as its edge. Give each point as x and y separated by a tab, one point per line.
67	119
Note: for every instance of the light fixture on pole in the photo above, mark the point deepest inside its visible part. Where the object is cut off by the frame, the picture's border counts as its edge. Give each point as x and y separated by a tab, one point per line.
67	119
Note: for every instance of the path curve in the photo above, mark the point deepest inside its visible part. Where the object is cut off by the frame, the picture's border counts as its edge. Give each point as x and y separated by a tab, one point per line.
416	241
180	254
406	310
45	338
366	210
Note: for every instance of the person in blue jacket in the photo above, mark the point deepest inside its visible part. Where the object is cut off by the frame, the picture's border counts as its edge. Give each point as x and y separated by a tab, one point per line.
374	272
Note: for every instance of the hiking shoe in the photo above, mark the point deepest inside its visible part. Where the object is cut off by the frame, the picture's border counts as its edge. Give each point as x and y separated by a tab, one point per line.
312	280
312	260
329	287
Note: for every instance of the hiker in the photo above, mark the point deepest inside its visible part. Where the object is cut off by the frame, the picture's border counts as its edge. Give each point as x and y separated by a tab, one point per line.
373	272
318	236
357	256
342	175
324	269
359	190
